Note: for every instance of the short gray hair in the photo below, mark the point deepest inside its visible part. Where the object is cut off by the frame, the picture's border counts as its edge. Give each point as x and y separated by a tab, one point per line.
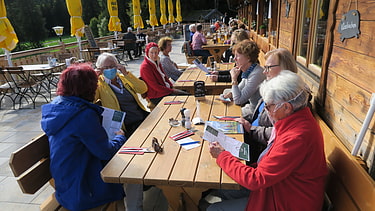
285	87
191	26
130	29
103	57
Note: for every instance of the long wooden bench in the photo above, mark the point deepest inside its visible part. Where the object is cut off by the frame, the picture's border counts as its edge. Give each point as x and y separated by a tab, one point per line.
349	186
31	164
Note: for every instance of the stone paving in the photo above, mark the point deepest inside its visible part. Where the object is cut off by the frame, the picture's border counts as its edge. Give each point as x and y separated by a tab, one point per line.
19	126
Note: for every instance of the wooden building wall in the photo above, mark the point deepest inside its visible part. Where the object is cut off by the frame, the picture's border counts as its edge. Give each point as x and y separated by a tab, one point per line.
342	88
350	79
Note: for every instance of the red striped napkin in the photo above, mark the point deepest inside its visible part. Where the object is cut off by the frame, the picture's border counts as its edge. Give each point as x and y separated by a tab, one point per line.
182	135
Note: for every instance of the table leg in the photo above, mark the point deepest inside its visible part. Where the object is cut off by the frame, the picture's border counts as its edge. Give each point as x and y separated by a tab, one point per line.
182	198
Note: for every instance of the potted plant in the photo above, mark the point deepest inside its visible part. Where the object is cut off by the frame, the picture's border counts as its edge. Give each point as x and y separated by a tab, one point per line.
262	29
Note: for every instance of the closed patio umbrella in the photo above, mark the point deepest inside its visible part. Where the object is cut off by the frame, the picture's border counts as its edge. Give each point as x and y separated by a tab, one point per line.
138	22
178	12
8	38
76	22
114	24
170	12
152	11
163	12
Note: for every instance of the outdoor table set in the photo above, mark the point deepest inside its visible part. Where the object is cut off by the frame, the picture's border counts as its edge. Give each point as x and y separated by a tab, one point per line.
182	168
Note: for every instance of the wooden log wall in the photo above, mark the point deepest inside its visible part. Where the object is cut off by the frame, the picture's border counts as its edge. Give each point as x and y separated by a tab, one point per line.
350	80
347	76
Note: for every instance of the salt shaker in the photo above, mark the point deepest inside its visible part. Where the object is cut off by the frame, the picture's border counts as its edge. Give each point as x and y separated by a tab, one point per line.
187	119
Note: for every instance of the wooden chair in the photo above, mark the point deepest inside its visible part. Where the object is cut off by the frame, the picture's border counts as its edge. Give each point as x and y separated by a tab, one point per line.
93	53
5	89
44	58
26	86
121	45
31	164
130	45
186	48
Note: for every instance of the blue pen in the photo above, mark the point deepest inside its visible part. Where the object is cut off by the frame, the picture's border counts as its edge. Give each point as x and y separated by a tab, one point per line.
188	143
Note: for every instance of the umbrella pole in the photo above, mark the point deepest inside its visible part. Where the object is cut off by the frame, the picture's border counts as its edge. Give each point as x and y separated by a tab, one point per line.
164	26
79	46
115	35
9	57
153	28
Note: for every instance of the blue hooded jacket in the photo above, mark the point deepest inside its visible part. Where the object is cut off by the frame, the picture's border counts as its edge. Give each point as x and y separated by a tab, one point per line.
79	149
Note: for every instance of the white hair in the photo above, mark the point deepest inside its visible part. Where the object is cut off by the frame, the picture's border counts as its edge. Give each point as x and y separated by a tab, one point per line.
103	57
285	87
130	29
191	26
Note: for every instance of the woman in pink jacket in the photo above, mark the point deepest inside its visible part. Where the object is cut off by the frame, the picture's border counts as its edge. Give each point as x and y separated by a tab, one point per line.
290	173
153	74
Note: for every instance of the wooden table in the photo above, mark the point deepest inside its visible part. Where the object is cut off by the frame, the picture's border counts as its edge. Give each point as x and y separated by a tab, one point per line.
191	74
216	50
182	175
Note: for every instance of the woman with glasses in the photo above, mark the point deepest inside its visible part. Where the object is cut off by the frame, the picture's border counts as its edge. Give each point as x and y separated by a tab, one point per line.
247	91
256	123
290	173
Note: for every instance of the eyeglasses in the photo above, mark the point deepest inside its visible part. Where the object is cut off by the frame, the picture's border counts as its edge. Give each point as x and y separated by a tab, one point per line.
156	145
267	68
277	107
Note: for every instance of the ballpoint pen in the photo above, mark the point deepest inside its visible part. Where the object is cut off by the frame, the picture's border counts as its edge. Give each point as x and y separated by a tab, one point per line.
188	143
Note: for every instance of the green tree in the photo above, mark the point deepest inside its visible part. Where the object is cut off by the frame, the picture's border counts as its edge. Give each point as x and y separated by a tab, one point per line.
30	26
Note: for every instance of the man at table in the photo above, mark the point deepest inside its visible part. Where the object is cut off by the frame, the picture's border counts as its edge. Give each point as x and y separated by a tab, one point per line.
131	36
198	40
290	173
192	29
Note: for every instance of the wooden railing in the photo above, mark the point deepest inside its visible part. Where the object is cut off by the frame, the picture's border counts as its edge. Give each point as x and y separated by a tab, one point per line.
33	56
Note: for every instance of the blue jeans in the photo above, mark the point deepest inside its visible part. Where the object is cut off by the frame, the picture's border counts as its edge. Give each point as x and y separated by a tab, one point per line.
231	200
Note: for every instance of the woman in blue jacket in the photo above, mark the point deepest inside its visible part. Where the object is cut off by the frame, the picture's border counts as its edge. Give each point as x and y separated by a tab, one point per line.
79	145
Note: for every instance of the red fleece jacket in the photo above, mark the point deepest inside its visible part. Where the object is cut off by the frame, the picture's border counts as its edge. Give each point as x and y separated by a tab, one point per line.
154	81
291	175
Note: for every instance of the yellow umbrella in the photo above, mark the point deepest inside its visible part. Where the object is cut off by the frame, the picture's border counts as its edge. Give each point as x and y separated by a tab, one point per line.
170	11
8	38
114	24
76	22
138	23
163	17
152	11
178	11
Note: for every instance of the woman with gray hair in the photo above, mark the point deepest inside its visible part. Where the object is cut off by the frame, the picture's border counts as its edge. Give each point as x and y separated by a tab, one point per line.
293	165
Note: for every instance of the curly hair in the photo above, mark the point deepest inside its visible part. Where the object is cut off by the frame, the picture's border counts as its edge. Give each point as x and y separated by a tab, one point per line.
78	80
239	34
163	42
248	48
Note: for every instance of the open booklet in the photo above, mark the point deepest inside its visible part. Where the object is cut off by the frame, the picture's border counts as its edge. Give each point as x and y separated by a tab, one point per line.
112	121
226	127
235	147
201	66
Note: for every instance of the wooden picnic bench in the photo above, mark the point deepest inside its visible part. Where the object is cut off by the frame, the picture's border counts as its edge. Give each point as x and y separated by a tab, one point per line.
349	186
31	164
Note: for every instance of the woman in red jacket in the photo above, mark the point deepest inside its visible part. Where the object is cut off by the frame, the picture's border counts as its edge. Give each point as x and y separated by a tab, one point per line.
290	173
153	74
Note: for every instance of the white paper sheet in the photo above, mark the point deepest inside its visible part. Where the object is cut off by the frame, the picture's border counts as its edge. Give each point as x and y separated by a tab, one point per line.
112	121
235	147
